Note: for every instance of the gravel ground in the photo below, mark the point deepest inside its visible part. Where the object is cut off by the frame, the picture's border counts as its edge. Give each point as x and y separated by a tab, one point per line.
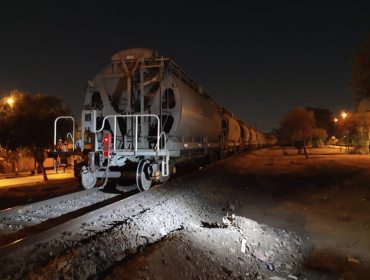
191	233
200	226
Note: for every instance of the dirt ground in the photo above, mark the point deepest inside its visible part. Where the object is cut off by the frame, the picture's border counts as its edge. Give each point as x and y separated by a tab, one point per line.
319	207
325	197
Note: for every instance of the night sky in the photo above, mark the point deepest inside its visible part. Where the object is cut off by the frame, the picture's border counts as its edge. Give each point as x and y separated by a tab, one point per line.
259	59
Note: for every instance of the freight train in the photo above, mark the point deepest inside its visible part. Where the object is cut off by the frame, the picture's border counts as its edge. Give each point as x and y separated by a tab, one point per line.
143	114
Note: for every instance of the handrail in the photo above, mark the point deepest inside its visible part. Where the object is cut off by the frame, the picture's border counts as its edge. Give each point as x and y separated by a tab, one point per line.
181	74
55	130
165	140
70	136
136	126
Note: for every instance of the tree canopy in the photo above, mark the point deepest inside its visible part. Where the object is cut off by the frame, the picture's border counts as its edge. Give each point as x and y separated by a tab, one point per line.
318	134
361	72
355	128
28	123
324	119
295	123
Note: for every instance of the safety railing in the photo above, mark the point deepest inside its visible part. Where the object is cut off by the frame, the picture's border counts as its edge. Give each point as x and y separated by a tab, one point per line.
164	138
179	73
136	117
55	130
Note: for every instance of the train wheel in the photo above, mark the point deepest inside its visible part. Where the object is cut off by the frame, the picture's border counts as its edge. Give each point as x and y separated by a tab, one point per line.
143	178
88	179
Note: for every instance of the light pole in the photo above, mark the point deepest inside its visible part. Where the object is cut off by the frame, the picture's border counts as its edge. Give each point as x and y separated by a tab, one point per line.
333	138
344	115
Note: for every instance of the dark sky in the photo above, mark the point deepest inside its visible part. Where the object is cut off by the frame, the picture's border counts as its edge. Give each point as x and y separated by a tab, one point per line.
259	59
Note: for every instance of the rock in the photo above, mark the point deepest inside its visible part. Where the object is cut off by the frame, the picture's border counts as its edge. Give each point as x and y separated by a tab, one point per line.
129	252
351	260
292	277
259	255
243	245
143	233
66	268
232	207
162	231
62	264
226	221
120	240
101	254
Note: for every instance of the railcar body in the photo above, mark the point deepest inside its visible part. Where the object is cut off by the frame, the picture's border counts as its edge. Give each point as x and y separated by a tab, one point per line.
143	114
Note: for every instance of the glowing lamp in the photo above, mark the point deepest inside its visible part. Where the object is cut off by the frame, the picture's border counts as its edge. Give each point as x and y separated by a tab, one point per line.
107	144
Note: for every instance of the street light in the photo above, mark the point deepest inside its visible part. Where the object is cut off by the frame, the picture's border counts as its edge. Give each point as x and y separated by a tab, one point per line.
335	120
10	101
344	115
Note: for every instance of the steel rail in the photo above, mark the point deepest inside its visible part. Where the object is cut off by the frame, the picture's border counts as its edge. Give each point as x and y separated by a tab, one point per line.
24	239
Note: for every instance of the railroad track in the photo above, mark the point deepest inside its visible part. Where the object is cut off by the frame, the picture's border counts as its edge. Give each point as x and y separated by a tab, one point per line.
72	217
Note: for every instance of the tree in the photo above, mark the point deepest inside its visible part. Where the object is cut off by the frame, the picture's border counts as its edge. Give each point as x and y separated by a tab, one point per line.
318	135
361	72
355	128
324	119
28	123
12	157
296	123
